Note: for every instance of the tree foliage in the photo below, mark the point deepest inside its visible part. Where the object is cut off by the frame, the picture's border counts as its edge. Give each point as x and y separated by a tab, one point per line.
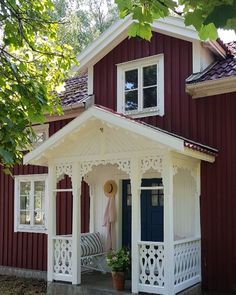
83	20
33	63
205	16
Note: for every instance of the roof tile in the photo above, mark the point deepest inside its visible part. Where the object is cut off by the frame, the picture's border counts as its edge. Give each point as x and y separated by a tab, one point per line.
76	89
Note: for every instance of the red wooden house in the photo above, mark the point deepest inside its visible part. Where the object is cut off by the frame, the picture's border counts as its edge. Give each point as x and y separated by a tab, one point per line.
162	128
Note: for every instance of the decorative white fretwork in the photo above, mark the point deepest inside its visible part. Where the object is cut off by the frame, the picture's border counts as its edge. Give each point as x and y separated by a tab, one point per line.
151	264
62	169
183	164
151	162
187	260
62	256
123	164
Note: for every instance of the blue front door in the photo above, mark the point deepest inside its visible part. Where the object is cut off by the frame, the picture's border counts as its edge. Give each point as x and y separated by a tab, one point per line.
152	202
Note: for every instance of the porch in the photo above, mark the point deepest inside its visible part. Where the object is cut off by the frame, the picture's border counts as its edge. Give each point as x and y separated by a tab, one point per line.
101	145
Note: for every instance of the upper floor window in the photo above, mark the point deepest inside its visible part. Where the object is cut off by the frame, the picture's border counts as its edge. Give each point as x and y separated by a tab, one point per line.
30	202
140	89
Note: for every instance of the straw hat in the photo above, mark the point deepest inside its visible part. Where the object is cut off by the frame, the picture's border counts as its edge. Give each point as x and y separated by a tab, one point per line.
110	188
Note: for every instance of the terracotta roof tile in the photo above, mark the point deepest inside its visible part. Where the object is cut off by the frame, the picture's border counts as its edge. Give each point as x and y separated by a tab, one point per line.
231	47
75	90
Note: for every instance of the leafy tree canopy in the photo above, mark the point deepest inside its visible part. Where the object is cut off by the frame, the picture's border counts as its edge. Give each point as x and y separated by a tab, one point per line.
83	20
205	15
33	63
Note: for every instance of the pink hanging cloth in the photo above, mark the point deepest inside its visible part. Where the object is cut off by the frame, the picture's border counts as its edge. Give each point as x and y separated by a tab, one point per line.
109	221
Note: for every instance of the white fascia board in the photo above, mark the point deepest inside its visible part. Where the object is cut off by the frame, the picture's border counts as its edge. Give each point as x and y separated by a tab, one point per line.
175	27
216	48
39	151
212	87
198	155
106	116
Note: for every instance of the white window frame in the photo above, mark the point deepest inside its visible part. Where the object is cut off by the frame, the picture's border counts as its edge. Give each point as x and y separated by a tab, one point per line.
29	227
140	64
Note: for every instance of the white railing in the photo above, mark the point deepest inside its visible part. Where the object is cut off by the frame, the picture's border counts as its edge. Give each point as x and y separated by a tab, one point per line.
187	263
62	258
151	271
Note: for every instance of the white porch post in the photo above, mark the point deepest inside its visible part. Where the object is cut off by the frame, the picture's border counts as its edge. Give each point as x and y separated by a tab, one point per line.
135	178
91	211
76	224
51	218
168	224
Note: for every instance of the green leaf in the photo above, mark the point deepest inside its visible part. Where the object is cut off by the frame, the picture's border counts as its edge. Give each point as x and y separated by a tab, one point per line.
220	15
208	32
194	18
6	155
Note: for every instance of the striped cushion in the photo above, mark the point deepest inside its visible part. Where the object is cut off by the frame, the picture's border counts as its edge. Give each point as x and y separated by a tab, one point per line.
91	244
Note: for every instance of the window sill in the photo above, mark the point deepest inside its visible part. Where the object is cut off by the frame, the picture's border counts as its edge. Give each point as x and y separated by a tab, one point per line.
142	114
24	229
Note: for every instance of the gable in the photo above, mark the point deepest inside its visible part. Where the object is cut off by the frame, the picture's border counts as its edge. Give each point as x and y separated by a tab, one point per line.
171	26
86	136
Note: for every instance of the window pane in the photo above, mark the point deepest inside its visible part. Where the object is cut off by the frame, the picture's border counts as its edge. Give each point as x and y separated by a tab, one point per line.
24	195
129	189
24	217
150	75
39	194
24	202
154	200
129	200
24	187
161	198
131	100
38	217
150	97
131	79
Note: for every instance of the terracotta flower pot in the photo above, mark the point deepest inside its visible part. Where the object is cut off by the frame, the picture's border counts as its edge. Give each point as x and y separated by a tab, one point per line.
118	279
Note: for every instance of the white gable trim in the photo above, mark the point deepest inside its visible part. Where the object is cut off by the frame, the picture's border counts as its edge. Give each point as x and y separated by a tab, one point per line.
172	26
115	119
38	156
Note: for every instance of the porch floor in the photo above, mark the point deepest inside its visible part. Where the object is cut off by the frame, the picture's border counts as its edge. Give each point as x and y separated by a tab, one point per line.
92	283
95	283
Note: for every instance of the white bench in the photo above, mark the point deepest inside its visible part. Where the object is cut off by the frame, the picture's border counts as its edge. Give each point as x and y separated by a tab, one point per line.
93	256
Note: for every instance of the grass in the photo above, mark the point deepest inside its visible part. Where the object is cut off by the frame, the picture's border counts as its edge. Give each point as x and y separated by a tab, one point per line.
21	286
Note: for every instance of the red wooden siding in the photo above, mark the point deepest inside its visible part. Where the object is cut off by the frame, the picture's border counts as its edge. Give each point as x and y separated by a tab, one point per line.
209	120
29	250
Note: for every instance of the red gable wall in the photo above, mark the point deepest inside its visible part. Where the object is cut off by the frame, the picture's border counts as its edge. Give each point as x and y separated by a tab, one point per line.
209	120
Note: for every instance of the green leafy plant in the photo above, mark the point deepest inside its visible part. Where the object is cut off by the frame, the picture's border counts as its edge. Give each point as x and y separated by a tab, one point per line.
34	63
119	261
205	16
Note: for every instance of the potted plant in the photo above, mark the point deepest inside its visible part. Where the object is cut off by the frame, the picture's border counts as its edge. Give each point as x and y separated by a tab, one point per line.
119	262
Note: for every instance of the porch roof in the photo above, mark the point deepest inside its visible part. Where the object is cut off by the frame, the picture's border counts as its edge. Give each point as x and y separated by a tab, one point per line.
148	137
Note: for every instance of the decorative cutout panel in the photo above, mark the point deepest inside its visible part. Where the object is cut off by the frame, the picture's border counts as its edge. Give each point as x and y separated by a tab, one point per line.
87	167
154	163
62	169
151	264
62	256
187	261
